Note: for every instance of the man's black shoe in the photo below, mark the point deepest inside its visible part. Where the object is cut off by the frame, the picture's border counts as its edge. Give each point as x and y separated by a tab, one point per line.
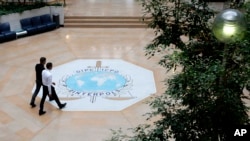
62	105
32	105
42	113
51	99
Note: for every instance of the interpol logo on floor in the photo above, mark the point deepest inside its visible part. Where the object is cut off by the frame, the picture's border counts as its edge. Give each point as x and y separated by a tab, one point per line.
101	85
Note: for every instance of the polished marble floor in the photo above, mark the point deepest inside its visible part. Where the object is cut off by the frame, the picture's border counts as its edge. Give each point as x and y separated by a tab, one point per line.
20	122
103	8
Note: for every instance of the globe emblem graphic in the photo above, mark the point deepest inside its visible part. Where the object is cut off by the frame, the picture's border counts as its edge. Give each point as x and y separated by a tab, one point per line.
101	85
95	81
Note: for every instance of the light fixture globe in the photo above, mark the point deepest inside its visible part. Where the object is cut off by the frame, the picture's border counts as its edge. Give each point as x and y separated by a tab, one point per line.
229	26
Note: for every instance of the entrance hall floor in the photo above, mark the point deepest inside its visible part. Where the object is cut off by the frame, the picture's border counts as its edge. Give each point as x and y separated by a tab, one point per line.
20	122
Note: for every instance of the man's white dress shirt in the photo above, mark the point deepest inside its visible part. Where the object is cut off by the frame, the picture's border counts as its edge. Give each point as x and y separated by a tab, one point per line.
47	79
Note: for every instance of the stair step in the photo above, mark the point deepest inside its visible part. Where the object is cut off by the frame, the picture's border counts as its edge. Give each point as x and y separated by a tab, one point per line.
100	21
104	22
102	17
105	26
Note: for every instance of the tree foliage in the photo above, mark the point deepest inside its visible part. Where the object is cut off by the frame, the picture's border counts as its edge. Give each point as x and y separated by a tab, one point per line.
206	97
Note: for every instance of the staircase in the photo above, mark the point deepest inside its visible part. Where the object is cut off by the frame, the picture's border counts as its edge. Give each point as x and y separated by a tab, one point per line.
103	22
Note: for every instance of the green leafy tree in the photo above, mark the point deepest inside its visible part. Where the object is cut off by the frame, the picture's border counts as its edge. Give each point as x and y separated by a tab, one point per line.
206	97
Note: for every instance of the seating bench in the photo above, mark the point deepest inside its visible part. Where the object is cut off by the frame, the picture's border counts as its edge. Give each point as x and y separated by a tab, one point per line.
37	24
5	33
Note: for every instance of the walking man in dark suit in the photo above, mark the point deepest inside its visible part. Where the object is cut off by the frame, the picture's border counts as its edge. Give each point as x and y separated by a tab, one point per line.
48	88
38	68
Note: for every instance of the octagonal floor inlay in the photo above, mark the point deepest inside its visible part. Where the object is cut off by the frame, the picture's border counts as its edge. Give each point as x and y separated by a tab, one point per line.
101	85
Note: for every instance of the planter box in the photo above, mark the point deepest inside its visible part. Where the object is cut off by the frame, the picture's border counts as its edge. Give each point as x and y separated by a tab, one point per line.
14	19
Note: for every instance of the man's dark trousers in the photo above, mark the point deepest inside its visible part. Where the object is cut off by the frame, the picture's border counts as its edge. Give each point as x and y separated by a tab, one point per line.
38	86
54	96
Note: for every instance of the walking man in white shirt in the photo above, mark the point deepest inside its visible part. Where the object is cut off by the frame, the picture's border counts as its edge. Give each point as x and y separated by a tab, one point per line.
48	88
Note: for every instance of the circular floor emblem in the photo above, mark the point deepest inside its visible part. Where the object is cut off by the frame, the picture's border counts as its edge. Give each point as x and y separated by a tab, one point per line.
101	85
95	81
